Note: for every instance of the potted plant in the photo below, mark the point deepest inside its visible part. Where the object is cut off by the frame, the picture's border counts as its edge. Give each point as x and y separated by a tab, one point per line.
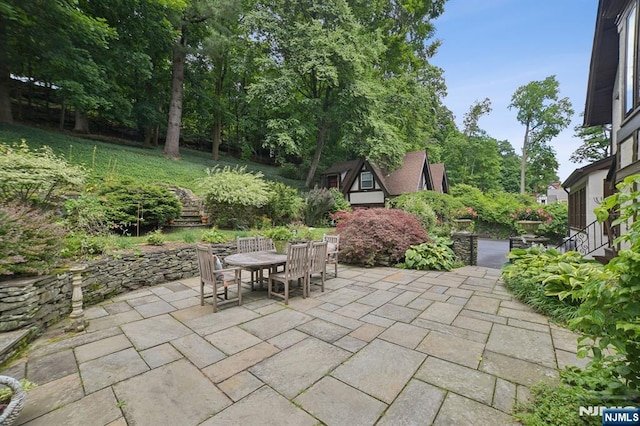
529	219
464	219
280	236
12	398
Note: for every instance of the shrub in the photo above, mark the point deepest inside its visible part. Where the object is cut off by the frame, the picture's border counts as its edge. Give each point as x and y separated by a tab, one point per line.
609	316
443	205
126	202
417	207
318	205
556	230
234	196
279	233
378	236
155	238
30	240
340	204
36	175
81	244
291	171
285	204
436	254
213	236
86	214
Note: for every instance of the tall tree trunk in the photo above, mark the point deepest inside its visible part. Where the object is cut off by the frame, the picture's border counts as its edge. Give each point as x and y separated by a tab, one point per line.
172	142
322	133
5	76
217	136
523	164
148	132
82	122
63	108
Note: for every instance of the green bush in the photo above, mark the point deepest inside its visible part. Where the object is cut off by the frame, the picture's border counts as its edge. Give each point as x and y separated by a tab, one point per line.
155	238
285	204
443	205
81	244
30	240
416	206
126	202
213	236
36	175
340	204
234	197
557	229
87	214
609	316
319	203
436	254
279	233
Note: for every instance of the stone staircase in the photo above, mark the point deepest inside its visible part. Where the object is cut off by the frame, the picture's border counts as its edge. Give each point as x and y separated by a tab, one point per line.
192	208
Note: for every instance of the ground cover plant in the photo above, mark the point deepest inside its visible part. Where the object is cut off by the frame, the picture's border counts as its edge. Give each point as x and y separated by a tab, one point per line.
436	254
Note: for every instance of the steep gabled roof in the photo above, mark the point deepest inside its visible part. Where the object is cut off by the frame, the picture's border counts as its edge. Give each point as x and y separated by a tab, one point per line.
341	167
440	179
580	173
406	179
604	64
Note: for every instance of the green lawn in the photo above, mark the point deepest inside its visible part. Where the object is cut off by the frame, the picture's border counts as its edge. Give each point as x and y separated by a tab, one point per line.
146	165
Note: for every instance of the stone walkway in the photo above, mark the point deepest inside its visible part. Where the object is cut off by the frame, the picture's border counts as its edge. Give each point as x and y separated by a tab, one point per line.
380	346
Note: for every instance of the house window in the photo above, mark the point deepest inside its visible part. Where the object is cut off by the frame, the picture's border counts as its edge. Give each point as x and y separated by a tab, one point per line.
332	181
630	61
366	180
578	209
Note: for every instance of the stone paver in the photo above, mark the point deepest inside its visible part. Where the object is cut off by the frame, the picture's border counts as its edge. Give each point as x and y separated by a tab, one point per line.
174	394
109	369
336	403
417	404
398	364
296	368
262	407
380	346
469	382
452	348
528	345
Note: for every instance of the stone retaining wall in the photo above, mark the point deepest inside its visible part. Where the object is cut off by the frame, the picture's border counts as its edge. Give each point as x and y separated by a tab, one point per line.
42	301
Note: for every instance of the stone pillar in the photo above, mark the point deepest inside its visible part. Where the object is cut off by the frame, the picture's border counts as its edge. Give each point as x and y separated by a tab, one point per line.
525	242
78	322
465	246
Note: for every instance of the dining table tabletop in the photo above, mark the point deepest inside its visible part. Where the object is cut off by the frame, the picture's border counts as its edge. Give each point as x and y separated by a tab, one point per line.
257	261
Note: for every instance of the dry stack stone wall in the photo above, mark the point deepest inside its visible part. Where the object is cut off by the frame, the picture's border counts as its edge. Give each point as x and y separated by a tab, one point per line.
465	246
41	301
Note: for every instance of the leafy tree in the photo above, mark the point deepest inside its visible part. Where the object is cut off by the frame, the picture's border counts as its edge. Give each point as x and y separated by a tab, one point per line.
509	166
596	143
541	168
543	114
471	118
55	43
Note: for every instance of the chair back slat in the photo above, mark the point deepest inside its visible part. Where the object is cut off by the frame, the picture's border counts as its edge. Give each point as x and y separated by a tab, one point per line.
205	263
333	239
297	256
265	244
247	244
317	257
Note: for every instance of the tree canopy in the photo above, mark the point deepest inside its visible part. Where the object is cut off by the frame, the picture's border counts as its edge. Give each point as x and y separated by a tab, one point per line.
544	115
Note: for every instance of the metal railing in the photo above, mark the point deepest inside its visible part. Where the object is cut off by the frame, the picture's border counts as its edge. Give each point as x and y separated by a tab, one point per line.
586	240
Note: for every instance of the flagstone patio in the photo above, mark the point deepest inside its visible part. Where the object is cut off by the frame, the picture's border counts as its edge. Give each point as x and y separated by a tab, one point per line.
380	346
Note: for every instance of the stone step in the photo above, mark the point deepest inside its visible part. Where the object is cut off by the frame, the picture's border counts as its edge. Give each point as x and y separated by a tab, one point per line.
11	342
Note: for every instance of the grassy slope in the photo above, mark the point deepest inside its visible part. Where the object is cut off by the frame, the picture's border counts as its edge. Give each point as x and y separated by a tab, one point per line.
146	165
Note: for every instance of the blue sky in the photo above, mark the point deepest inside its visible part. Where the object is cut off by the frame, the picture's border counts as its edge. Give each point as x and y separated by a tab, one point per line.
491	47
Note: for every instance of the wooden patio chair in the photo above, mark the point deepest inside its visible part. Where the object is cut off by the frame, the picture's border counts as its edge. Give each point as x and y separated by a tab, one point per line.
317	263
296	268
333	249
265	244
248	245
218	278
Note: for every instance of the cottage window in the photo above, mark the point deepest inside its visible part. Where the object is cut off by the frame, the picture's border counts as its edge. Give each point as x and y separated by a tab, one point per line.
366	180
578	209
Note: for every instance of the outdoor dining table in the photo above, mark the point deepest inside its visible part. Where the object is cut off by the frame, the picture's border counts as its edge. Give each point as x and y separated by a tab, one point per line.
257	261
